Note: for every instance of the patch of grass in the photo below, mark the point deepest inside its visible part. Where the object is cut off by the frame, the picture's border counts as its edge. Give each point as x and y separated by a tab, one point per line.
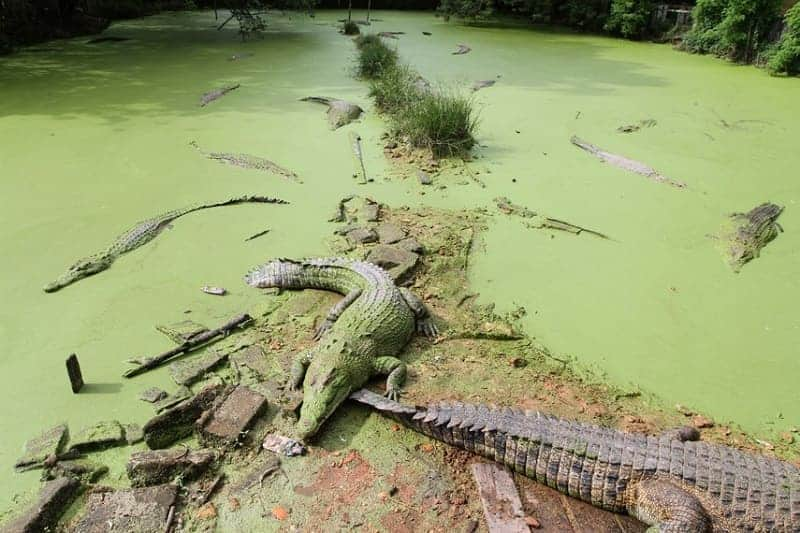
375	58
395	89
442	121
369	39
350	28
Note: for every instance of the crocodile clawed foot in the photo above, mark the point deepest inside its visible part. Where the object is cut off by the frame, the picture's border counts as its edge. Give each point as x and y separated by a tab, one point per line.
393	394
427	328
320	331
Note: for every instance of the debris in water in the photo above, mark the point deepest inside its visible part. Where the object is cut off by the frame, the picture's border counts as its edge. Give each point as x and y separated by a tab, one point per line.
391	34
283	445
216	291
481	84
40	448
427	33
216	94
257	235
74	373
358	157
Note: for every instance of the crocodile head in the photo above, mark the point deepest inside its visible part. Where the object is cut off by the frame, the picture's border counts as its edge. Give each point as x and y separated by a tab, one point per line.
81	269
276	273
324	391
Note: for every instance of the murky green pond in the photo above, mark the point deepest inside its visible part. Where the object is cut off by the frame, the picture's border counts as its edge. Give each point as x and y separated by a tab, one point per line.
96	137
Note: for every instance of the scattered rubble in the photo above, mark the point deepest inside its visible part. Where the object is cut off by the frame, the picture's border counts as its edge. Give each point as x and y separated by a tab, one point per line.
143	510
182	331
178	422
98	436
187	372
390	233
397	261
153	395
155	467
40	448
54	499
229	422
362	235
74	373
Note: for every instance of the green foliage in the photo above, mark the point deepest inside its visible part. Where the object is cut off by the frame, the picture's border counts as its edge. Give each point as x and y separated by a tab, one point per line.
784	57
395	89
467	9
350	28
442	121
374	59
736	29
629	18
369	39
587	15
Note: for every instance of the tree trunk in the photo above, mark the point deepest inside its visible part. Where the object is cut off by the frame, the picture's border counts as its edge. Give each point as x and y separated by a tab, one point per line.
369	7
349	10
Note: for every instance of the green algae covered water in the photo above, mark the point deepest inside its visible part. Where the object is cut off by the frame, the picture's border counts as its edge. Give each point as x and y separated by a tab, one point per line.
96	137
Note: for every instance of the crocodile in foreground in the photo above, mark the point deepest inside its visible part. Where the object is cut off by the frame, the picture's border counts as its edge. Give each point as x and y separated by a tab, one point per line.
359	338
672	485
140	234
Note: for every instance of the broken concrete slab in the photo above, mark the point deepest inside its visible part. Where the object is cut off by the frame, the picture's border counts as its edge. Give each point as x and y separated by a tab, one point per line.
153	395
231	419
362	235
397	261
98	436
371	211
155	467
390	234
189	371
39	448
182	331
143	510
171	400
133	433
501	504
178	422
54	499
83	470
424	178
412	245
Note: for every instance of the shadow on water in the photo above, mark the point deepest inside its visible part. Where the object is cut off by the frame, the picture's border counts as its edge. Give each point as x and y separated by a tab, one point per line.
101	388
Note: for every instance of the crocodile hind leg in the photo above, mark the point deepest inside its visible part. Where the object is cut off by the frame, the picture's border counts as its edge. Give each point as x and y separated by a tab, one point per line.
423	318
298	371
336	311
668	509
395	369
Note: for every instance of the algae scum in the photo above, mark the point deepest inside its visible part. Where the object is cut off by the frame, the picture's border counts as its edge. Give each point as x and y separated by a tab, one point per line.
94	138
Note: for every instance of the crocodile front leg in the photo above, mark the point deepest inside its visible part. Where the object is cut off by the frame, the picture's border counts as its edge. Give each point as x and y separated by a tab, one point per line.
668	508
396	371
298	371
422	317
336	311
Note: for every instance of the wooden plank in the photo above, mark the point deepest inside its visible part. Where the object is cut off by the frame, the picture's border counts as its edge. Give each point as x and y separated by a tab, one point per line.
74	372
501	504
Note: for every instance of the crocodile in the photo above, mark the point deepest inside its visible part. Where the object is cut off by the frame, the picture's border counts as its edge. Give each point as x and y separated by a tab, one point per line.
670	484
747	233
140	234
625	163
358	339
340	112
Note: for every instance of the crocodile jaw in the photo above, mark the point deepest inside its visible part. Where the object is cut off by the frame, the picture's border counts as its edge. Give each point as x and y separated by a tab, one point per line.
318	405
81	269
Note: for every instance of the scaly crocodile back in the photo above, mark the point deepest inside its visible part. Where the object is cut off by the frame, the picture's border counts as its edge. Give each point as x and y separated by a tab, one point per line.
602	466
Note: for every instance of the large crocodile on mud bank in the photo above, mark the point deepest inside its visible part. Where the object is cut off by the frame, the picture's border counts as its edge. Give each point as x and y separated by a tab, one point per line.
359	338
140	234
672	485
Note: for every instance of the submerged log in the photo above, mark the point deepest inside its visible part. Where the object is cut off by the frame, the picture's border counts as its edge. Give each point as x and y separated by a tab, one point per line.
747	233
193	343
625	163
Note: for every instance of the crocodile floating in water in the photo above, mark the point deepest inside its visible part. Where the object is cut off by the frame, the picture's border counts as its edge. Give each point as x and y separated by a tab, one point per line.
140	234
462	49
751	231
250	162
359	338
624	163
340	112
216	94
672	485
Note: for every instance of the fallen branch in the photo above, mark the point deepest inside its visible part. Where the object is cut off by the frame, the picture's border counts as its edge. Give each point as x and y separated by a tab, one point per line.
194	342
